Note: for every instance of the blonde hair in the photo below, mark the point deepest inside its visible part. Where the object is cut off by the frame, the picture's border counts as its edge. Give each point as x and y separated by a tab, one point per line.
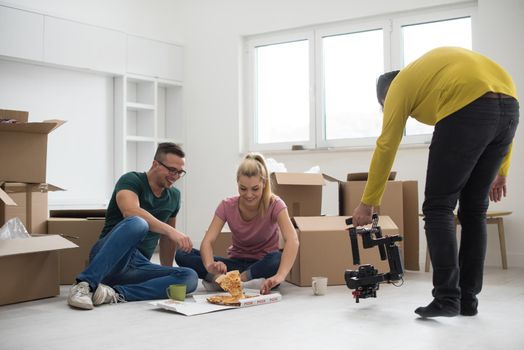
254	164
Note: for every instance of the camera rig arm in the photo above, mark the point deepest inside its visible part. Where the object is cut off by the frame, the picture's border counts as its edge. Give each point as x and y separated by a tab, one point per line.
366	280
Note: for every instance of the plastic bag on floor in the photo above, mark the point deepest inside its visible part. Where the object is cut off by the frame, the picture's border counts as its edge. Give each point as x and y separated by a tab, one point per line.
14	228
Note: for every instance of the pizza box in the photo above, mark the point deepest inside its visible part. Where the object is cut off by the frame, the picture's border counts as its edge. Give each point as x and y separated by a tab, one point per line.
199	304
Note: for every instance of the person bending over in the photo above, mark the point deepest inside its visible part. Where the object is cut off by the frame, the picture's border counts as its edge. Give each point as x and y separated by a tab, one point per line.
472	102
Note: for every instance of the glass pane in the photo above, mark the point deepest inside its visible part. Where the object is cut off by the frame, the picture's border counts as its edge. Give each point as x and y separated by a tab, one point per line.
282	92
352	63
421	38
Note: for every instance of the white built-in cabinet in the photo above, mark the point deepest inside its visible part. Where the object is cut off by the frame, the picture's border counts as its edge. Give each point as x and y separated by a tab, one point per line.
154	58
148	111
21	34
84	46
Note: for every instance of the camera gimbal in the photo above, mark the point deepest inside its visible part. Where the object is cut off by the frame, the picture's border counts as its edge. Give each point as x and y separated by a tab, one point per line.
365	281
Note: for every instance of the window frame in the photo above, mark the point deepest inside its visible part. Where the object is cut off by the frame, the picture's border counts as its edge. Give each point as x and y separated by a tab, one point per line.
288	36
391	26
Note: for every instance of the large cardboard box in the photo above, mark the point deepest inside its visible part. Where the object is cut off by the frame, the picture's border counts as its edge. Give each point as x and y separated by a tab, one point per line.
29	268
325	249
82	227
28	202
23	147
222	243
302	192
411	225
400	202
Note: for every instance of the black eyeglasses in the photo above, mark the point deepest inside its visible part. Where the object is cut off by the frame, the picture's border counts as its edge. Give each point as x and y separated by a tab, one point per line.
172	171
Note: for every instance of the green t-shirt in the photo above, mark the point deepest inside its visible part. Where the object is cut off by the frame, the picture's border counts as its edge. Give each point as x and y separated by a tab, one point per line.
163	208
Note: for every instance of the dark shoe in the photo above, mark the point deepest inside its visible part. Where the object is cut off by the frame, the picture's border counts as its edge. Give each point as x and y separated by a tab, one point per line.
438	308
468	308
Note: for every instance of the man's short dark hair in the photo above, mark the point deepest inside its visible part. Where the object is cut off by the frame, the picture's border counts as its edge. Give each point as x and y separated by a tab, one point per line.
383	83
168	147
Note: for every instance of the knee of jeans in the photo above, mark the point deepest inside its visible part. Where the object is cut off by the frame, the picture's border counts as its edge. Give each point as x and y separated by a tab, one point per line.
274	260
137	223
191	280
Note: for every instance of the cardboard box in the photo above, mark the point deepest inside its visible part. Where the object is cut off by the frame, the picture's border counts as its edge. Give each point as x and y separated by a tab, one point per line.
401	207
302	192
222	243
83	230
411	225
23	148
28	202
325	249
29	268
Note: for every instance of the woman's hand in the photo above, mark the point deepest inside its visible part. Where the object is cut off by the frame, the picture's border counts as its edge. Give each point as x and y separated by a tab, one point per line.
216	268
270	283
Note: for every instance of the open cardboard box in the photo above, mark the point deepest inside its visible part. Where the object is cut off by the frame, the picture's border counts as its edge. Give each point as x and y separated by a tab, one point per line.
302	192
23	147
325	249
82	227
29	267
28	202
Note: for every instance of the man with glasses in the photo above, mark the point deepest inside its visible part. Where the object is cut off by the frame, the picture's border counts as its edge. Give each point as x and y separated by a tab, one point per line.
141	214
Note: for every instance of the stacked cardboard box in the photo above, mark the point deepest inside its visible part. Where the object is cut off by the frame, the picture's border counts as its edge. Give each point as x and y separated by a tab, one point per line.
29	267
82	227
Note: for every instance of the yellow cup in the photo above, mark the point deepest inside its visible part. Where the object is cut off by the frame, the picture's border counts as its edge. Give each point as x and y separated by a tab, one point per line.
176	292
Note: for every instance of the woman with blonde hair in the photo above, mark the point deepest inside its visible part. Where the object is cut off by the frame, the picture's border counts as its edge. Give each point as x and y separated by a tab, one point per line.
256	218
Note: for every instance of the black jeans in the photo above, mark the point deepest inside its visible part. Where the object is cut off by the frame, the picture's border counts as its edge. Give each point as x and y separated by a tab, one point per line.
465	154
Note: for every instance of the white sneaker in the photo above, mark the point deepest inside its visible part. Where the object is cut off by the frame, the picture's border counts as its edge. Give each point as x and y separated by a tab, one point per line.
80	296
211	286
254	283
106	295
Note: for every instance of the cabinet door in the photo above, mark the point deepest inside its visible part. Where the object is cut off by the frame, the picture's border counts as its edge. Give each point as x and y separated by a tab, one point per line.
80	45
154	58
21	34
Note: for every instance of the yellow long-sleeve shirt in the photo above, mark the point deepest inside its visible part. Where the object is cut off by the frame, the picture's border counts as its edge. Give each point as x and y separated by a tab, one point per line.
429	89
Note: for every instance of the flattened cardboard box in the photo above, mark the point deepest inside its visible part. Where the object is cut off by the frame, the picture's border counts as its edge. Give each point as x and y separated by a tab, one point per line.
302	192
28	202
325	249
23	148
29	268
83	228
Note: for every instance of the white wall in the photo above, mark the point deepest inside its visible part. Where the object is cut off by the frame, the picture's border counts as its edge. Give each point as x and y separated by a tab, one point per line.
213	97
80	152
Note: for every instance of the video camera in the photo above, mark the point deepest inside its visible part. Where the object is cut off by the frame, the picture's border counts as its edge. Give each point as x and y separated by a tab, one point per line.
365	281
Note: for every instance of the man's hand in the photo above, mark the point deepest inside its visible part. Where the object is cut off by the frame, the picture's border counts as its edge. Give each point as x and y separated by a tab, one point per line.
498	189
270	283
362	215
216	268
182	241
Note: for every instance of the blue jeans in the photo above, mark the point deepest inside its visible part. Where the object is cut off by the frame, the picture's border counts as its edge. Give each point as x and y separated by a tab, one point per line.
465	155
263	268
116	262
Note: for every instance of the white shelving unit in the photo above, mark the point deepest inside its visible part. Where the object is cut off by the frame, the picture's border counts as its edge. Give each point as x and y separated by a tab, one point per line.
148	111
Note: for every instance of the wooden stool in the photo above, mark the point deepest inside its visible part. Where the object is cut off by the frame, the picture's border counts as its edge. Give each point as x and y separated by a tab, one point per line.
492	217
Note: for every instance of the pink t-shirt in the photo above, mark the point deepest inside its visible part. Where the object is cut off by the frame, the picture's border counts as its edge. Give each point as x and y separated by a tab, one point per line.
255	238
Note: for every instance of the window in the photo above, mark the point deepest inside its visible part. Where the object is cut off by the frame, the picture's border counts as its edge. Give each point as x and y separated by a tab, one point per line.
316	87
